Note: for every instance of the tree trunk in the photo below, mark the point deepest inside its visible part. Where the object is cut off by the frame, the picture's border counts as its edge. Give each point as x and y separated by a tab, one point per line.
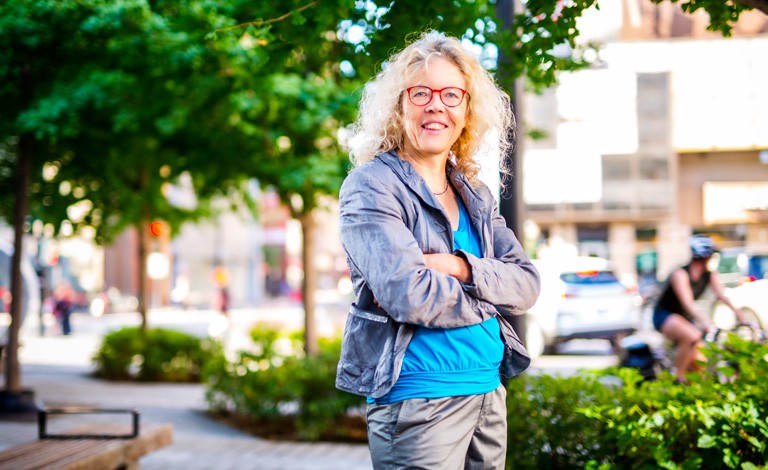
12	370
143	241
510	203
309	284
143	245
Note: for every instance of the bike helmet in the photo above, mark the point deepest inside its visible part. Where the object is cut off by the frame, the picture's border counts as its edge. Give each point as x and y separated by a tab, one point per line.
702	246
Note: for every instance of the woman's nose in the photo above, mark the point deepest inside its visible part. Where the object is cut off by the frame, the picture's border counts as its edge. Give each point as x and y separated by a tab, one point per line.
434	103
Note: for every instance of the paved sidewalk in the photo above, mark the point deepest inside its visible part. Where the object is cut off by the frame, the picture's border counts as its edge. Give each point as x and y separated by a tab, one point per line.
57	369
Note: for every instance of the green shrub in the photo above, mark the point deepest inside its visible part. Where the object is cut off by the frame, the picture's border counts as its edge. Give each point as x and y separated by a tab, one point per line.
609	419
116	354
718	420
613	419
160	354
285	394
545	429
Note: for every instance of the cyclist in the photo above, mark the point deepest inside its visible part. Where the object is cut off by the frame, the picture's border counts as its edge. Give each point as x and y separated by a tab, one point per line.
676	310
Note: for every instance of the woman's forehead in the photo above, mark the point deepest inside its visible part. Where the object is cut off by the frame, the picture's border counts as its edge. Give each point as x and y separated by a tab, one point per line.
439	64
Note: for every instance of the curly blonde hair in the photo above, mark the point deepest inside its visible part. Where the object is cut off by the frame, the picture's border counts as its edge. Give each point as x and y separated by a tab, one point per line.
489	124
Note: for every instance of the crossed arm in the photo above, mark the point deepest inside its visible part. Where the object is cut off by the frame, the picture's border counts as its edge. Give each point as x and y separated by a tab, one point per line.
437	290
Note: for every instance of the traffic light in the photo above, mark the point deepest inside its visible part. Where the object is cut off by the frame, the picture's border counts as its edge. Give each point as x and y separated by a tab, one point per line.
157	229
220	276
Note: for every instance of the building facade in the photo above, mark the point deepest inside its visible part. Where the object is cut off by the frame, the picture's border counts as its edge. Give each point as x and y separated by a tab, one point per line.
666	135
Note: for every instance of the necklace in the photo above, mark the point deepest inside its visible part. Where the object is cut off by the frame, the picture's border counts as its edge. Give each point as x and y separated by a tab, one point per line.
444	190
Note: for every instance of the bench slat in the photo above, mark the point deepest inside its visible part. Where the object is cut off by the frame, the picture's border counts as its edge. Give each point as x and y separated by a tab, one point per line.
33	455
81	454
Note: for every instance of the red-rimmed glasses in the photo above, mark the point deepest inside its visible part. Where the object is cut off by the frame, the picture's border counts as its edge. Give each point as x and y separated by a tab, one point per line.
450	96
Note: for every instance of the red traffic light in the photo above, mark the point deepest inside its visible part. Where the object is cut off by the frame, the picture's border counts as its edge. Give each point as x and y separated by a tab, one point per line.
157	229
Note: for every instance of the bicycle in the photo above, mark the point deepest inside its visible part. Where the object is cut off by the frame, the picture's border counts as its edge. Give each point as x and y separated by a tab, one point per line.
651	361
718	366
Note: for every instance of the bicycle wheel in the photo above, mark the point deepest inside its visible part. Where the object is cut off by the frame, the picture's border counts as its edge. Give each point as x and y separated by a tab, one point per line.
723	370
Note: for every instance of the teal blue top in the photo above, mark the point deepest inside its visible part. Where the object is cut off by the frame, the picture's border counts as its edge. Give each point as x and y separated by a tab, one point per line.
451	362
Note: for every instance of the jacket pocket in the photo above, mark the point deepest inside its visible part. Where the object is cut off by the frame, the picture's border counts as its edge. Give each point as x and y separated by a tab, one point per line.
367	352
516	357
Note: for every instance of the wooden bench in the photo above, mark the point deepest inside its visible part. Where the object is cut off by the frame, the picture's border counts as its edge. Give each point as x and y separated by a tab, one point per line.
88	446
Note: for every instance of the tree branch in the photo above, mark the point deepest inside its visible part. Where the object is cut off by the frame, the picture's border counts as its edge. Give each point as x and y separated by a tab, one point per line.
259	23
761	5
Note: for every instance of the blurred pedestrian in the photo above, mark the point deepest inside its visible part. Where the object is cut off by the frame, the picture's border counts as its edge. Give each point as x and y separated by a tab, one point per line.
224	300
220	277
62	308
432	262
676	314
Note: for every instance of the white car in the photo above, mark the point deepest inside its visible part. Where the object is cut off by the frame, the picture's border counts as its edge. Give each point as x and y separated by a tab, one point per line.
580	298
751	297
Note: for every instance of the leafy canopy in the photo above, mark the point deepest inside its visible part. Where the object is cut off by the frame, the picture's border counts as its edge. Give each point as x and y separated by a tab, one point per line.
131	106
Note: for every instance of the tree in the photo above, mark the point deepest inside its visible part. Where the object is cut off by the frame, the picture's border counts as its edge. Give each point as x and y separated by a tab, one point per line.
107	103
722	14
137	98
305	160
20	74
300	105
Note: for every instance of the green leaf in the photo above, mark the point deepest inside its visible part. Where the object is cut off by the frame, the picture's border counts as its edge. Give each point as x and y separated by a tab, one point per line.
706	441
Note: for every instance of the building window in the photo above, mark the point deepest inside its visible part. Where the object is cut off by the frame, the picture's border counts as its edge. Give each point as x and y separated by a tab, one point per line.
617	168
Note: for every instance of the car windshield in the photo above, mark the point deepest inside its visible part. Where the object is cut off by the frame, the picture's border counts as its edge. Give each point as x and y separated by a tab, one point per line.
589	277
732	266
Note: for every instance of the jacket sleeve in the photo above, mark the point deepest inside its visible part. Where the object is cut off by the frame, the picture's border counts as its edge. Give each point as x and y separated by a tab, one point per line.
381	247
508	279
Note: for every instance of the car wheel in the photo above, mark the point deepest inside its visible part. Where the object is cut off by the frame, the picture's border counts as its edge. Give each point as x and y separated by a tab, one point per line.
535	341
751	316
748	333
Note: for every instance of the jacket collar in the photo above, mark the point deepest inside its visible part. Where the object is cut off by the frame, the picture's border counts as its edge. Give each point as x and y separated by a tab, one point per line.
410	177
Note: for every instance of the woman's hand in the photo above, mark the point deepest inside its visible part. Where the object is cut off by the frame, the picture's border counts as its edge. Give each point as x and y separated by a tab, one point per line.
450	265
742	318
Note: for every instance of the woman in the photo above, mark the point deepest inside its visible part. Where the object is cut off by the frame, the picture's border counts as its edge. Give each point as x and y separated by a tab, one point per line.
433	264
676	310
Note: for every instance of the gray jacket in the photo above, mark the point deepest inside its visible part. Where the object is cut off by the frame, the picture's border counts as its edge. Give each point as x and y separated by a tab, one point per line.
389	219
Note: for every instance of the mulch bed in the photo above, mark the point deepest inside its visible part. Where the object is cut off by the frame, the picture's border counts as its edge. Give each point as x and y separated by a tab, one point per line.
350	429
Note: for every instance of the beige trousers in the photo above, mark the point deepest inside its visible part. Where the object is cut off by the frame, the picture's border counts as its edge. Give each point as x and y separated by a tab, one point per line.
453	433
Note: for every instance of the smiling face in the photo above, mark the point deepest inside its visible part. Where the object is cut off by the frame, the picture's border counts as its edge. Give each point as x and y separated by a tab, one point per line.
432	129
